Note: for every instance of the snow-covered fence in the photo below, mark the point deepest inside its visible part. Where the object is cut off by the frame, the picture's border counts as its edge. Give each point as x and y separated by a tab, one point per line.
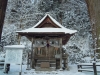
89	67
2	60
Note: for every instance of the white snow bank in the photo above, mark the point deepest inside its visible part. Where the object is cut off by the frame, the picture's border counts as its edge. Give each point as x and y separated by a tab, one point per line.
14	46
15	69
50	30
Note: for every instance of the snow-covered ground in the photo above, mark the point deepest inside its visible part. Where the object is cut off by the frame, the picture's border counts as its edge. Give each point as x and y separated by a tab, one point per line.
15	69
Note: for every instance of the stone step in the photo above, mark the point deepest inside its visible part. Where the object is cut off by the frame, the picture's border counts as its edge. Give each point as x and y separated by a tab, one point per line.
51	61
45	58
45	69
51	64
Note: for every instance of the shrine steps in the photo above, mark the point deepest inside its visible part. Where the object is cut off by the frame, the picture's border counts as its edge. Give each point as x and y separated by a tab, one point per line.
45	65
51	64
45	69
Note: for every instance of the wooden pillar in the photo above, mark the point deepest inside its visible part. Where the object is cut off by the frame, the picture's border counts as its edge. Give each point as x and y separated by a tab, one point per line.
41	51
32	58
28	61
94	68
19	37
60	41
65	63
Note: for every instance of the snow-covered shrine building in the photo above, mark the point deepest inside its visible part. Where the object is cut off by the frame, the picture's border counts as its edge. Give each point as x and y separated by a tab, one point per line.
47	37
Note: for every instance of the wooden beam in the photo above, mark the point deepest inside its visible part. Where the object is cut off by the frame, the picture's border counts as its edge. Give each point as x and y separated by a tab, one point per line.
47	20
60	41
32	55
19	37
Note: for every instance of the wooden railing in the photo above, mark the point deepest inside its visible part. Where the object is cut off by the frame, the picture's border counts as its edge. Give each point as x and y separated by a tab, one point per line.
89	67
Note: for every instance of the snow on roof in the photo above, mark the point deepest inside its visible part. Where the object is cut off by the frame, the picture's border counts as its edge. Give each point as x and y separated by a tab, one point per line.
46	30
14	46
57	23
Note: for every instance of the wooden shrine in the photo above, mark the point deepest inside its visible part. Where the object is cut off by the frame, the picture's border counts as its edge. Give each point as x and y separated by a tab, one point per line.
47	38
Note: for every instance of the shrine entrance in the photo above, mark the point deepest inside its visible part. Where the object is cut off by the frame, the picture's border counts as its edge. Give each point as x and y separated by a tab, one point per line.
46	48
46	52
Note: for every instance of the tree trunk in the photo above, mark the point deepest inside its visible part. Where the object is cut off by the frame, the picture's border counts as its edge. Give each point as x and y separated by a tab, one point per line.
94	13
3	4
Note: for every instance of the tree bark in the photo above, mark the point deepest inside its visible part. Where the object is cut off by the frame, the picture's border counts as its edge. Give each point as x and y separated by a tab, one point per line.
94	13
3	4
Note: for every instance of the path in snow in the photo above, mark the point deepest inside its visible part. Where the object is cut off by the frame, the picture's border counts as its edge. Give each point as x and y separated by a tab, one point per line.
15	69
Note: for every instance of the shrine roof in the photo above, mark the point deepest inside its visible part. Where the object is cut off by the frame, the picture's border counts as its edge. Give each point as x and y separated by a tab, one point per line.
57	29
48	30
57	23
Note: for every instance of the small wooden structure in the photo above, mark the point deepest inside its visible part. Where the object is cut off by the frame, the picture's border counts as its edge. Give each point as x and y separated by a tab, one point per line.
47	38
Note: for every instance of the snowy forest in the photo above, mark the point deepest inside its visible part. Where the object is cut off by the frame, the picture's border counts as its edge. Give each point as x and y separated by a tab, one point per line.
72	14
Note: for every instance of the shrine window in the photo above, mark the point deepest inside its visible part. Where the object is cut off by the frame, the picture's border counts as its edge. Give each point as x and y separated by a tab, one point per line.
54	42
40	42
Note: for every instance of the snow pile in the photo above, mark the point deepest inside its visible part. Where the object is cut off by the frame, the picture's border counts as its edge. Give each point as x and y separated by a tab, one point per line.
14	46
15	69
